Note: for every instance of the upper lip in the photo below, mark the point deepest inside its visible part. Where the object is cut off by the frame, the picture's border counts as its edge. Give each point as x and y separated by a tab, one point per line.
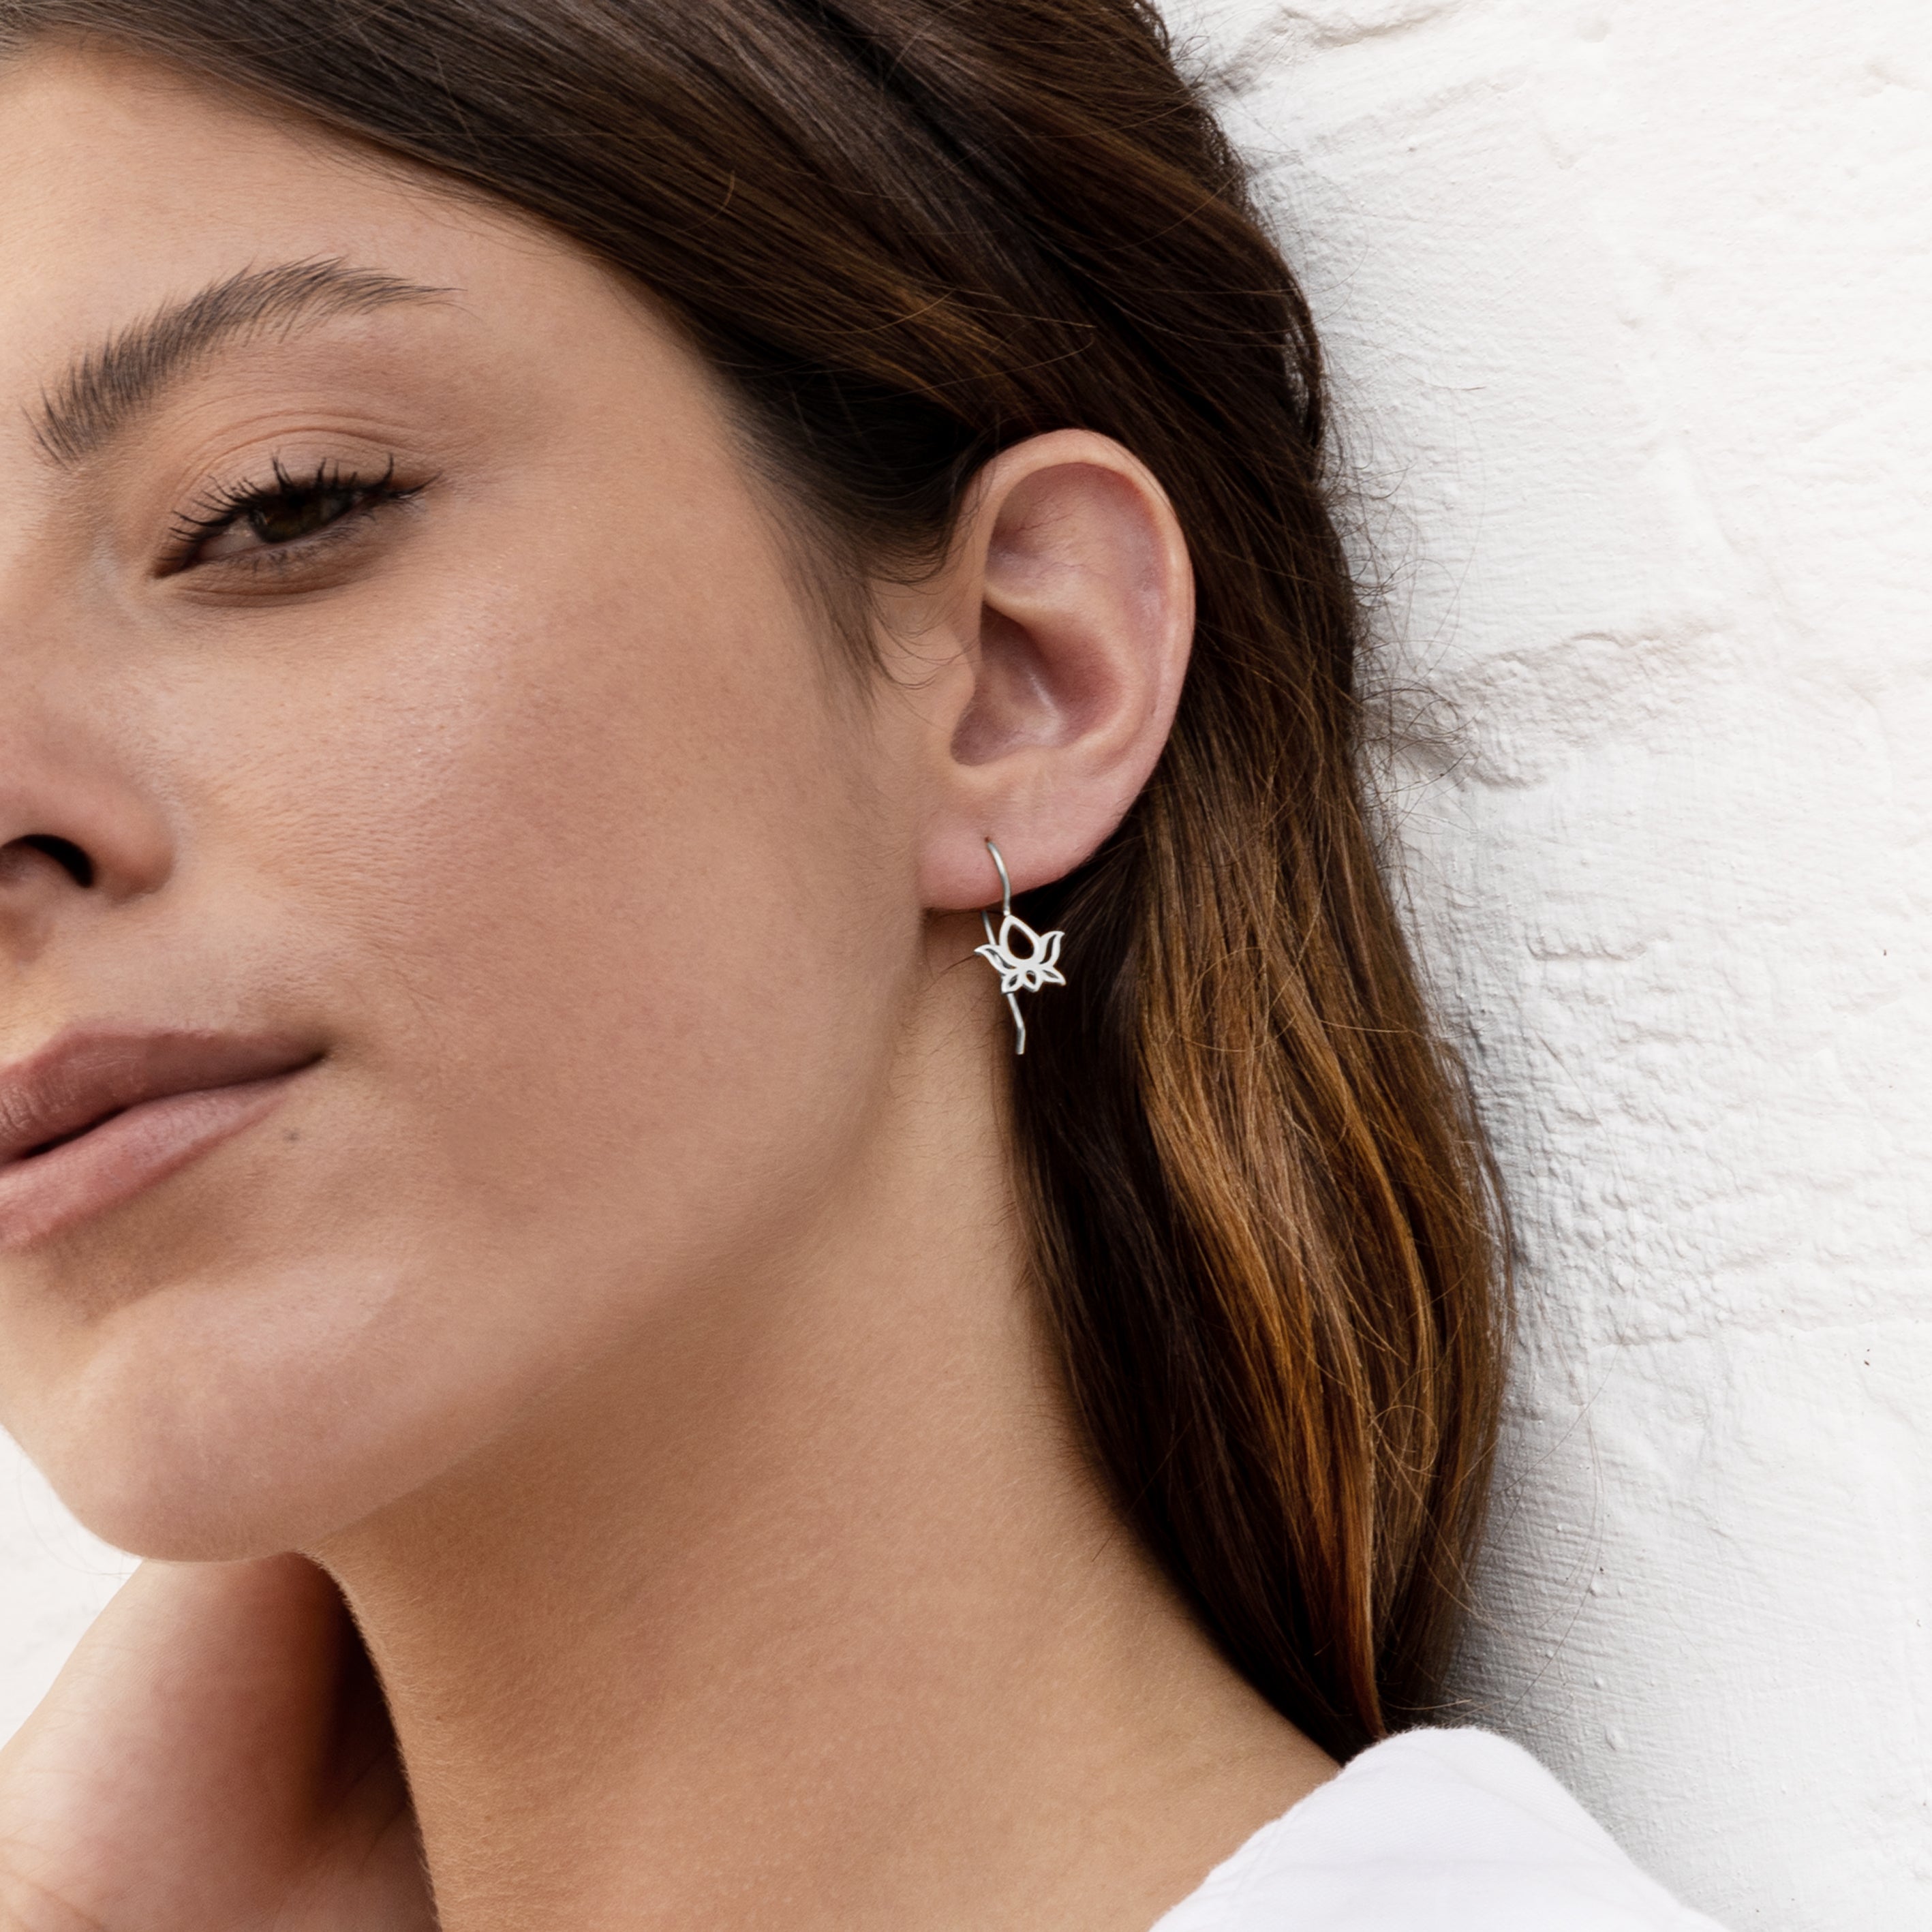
80	1079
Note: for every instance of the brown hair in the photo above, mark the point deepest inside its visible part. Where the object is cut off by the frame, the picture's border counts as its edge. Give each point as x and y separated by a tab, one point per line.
909	232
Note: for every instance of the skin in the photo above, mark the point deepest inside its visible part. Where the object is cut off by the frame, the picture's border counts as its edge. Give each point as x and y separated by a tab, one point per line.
623	1316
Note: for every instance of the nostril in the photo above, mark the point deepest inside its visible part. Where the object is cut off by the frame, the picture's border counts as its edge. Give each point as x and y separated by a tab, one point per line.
71	859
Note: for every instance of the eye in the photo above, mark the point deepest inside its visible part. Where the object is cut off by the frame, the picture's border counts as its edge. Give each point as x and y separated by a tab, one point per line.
251	522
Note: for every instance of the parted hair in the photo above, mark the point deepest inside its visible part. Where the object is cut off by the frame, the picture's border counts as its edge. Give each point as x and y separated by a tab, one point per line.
906	234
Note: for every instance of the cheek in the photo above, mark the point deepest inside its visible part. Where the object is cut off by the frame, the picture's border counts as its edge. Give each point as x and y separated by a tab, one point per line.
615	911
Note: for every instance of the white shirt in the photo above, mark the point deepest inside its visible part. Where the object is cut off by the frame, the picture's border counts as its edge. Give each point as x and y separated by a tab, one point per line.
1433	1831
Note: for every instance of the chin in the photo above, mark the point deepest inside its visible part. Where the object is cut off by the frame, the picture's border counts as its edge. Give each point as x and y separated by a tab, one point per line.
172	1483
142	1494
230	1422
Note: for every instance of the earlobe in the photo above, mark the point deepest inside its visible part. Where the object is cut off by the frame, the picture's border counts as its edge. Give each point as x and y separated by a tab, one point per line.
1073	566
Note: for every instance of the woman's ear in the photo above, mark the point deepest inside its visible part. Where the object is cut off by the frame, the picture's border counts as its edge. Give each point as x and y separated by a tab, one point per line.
1066	610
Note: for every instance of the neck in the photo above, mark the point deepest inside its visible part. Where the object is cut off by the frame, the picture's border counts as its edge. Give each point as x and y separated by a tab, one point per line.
805	1607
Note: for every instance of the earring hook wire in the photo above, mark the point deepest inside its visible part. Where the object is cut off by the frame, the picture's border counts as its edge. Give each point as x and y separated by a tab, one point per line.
1006	884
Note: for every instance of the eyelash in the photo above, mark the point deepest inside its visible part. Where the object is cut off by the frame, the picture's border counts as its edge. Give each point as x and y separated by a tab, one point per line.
230	504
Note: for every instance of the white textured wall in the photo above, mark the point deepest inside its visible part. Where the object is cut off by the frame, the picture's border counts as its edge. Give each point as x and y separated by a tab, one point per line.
1629	304
1631	307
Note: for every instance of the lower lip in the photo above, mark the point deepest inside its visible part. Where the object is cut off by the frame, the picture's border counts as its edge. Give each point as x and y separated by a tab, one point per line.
45	1193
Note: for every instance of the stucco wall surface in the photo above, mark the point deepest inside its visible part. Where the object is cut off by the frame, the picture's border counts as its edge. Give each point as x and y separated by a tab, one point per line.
1627	304
1630	308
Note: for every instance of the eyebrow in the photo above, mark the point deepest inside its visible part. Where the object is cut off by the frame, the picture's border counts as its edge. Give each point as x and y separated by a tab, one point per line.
108	387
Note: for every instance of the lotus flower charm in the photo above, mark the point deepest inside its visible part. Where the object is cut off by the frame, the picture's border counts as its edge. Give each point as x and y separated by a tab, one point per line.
1022	973
1019	972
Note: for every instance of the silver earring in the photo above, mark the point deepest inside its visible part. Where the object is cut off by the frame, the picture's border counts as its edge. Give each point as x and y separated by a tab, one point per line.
1018	973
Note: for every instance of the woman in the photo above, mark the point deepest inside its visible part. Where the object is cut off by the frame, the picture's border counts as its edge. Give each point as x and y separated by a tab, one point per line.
609	605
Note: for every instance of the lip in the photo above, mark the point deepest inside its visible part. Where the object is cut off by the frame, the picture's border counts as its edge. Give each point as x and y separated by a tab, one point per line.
94	1118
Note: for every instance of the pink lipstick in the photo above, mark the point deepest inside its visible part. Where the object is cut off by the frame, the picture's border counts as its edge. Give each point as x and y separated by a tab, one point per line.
96	1117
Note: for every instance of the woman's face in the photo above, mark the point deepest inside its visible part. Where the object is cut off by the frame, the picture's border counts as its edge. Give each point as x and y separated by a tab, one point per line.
409	728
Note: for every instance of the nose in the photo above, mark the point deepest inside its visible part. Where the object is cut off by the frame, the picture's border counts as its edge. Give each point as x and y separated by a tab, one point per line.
76	832
84	819
17	857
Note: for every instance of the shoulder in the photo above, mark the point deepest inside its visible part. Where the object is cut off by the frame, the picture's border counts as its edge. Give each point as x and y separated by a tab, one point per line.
1434	1832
